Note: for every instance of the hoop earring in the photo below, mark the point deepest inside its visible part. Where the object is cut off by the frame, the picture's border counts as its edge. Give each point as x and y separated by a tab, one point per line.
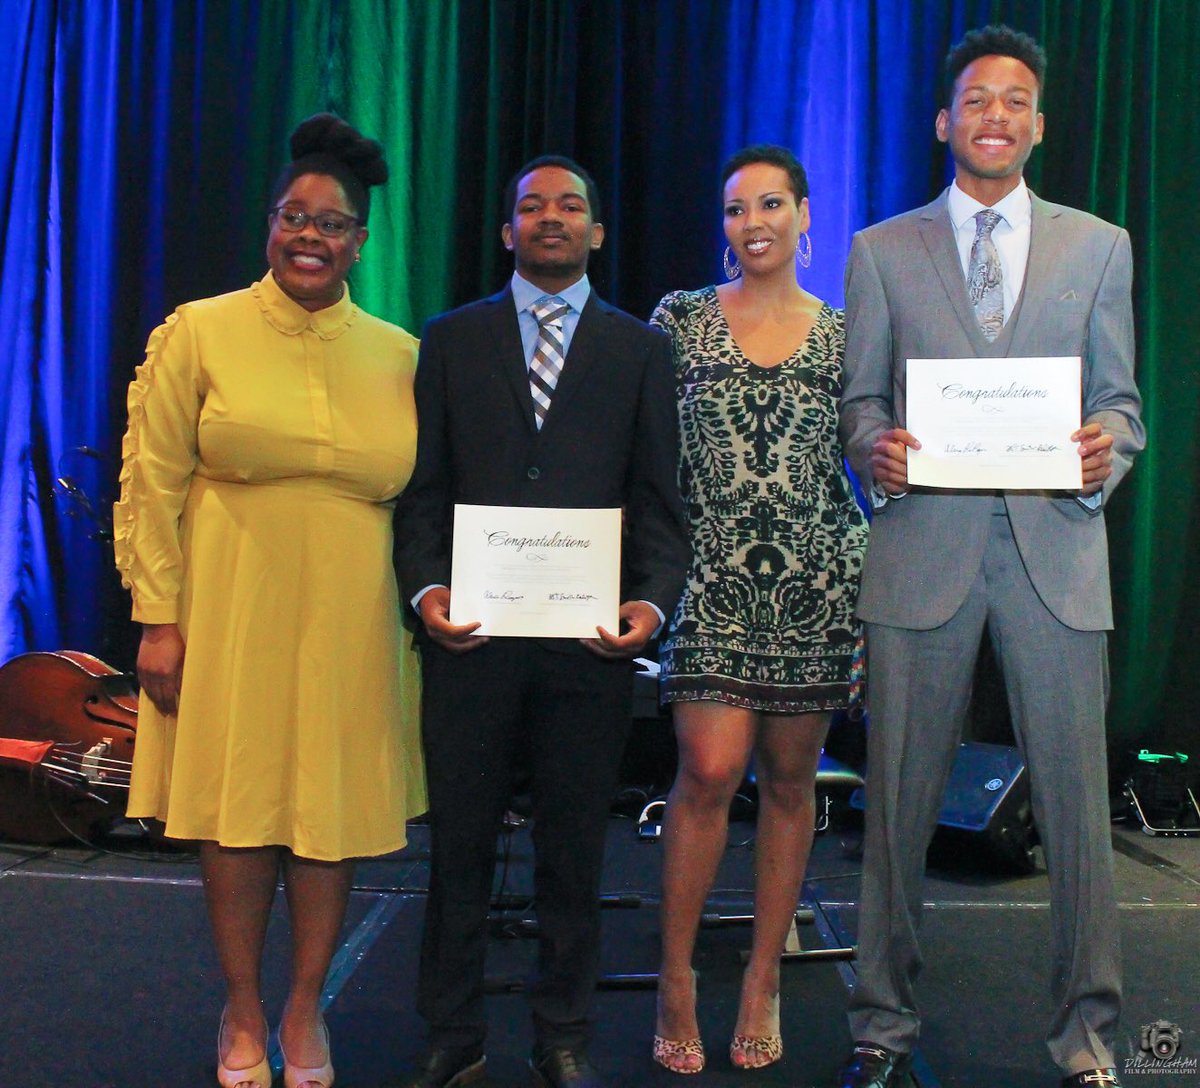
804	250
732	268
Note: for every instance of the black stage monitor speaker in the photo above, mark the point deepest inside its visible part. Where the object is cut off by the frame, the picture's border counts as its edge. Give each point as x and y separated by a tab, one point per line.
987	804
986	817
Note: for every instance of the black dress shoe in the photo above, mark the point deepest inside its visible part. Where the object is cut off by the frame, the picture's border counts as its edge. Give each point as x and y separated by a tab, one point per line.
559	1067
1092	1078
872	1066
444	1067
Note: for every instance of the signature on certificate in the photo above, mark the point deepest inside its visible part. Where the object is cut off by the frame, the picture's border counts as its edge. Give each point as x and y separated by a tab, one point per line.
506	595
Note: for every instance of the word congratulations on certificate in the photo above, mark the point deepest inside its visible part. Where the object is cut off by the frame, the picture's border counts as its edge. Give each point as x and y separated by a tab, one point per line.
536	572
994	423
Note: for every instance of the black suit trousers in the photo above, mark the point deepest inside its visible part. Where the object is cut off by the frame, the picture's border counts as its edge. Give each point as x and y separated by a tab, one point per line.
562	714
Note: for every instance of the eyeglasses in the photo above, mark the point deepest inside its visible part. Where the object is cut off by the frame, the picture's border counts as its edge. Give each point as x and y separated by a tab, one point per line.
330	224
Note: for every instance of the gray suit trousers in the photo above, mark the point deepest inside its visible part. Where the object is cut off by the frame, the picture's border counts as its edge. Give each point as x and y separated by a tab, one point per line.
919	687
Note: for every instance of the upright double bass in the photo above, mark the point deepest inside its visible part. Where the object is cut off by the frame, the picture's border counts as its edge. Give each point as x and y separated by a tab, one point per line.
67	727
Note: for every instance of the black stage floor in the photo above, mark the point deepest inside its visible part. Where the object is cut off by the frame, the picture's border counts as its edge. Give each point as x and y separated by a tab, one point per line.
109	981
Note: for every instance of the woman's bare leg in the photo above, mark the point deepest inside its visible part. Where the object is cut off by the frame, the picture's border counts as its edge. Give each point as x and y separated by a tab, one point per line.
317	894
786	758
715	741
239	887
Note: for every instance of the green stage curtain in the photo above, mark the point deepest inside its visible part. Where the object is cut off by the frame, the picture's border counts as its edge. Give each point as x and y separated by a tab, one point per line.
1123	141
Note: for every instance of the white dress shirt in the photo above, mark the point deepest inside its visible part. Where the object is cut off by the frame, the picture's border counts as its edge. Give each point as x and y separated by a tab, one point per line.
1010	235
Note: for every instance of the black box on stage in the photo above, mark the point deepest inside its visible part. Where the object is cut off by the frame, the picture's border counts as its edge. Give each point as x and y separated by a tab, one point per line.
987	801
985	808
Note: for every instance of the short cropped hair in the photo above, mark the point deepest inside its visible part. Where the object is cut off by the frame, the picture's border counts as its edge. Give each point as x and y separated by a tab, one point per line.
772	155
325	144
510	190
999	41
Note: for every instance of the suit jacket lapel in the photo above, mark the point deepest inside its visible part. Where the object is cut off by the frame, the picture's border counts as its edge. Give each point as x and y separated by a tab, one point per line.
1039	269
938	234
509	354
581	356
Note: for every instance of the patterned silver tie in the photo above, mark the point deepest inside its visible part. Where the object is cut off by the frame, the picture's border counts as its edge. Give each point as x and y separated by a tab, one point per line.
547	361
985	277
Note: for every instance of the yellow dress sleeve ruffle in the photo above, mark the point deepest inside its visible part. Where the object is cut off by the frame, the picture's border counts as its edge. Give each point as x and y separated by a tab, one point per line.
159	455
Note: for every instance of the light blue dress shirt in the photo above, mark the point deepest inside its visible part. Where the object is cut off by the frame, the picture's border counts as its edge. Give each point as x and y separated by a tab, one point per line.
525	294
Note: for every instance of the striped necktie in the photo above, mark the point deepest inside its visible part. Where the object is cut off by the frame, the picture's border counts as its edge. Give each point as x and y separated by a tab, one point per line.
985	277
547	361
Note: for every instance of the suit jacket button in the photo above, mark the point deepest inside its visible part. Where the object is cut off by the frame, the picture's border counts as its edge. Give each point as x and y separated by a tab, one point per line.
534	472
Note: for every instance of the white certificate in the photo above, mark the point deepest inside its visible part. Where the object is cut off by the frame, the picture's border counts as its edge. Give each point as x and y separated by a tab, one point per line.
543	573
995	423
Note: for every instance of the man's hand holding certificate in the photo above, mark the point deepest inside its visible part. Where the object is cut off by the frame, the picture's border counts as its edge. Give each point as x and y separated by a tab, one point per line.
995	423
534	572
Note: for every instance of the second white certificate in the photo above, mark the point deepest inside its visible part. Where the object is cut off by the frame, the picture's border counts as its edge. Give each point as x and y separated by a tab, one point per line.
535	572
994	423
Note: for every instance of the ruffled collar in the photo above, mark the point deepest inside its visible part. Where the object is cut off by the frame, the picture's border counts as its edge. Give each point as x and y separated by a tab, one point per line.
288	316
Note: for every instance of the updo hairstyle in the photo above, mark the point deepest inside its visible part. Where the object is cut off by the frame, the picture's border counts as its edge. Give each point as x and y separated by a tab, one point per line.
325	144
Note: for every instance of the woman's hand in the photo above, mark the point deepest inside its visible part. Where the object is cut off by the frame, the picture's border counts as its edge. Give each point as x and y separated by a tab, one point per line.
160	665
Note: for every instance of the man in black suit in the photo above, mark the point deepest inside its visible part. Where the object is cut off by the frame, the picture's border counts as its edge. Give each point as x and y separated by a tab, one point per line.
600	433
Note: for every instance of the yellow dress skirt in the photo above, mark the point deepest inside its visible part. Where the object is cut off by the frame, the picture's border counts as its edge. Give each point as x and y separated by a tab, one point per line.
265	449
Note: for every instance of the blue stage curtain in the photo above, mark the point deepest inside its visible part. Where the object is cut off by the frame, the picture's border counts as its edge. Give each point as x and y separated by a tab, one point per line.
57	111
137	144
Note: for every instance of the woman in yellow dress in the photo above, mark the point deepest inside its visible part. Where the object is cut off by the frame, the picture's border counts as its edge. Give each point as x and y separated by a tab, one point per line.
270	431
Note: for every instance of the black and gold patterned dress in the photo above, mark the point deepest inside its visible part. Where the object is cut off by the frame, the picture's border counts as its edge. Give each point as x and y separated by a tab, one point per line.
766	620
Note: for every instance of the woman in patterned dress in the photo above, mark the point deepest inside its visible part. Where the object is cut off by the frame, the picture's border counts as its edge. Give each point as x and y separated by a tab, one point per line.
758	652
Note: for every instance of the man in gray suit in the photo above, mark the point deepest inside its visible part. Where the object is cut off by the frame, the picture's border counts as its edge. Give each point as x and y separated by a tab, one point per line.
988	270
